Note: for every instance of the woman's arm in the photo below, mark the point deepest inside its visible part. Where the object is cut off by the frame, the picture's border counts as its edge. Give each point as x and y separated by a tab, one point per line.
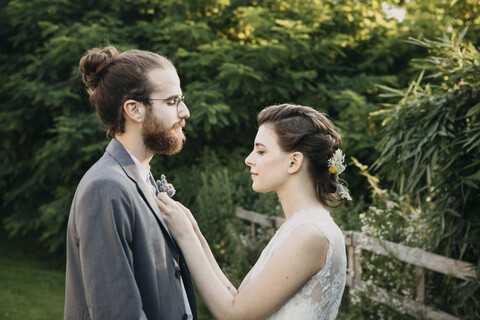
302	255
245	280
208	252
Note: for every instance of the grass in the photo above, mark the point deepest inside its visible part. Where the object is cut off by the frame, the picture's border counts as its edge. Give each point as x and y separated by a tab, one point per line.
32	284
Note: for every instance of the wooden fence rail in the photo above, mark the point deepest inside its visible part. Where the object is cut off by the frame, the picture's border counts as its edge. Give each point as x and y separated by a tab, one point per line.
357	241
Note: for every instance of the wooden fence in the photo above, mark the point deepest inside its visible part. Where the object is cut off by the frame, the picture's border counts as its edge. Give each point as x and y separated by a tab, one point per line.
357	241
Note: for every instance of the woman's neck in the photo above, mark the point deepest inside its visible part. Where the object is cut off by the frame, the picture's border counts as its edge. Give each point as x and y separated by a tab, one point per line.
297	196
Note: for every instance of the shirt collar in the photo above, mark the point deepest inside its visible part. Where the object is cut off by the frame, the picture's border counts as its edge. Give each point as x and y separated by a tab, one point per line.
144	170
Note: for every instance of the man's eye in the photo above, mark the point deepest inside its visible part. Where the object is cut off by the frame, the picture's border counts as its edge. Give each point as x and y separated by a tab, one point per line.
172	101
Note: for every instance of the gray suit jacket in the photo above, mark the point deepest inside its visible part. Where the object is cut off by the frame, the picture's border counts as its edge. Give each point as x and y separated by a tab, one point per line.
121	261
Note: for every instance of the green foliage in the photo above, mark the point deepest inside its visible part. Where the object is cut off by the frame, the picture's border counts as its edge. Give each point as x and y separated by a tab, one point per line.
234	58
430	152
431	143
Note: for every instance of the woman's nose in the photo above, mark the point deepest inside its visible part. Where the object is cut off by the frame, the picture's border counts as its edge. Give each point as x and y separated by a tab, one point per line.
248	160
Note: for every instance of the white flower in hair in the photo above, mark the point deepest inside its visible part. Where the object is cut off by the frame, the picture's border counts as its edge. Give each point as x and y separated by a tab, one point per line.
336	166
335	163
344	192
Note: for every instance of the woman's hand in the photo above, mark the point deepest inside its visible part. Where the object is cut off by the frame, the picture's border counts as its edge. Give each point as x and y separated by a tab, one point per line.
189	216
181	223
179	219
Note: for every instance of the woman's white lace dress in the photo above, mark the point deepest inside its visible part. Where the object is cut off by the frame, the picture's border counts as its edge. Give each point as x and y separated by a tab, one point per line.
320	297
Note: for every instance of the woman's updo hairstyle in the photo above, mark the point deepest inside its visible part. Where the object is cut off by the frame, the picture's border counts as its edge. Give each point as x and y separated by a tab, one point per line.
303	129
112	78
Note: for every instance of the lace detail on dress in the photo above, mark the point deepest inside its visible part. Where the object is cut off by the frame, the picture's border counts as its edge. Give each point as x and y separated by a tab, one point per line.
320	297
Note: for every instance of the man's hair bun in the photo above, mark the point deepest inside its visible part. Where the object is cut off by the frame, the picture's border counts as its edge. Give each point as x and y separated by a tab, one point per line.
95	63
112	78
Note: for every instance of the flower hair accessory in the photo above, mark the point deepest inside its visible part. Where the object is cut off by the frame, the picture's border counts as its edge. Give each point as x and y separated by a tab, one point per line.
336	166
335	163
164	186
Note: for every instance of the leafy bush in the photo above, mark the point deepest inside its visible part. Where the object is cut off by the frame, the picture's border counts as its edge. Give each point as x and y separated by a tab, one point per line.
234	58
430	154
431	144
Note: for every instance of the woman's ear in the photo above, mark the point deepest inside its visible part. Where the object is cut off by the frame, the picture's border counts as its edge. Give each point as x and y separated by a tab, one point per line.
296	162
134	110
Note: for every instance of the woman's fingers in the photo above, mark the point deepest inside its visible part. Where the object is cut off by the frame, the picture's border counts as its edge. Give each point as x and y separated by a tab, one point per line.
188	214
165	198
172	208
166	205
184	209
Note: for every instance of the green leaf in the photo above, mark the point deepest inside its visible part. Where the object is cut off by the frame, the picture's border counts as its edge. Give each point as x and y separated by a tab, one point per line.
475	176
475	110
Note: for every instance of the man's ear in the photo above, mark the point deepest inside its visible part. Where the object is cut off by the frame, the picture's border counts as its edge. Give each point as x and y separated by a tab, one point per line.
134	110
296	162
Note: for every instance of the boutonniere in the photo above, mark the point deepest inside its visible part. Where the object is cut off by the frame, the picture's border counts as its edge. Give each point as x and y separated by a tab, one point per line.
164	186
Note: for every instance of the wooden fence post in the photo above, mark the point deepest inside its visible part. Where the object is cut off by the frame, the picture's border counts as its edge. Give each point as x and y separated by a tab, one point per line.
254	230
354	261
351	268
420	284
358	264
350	261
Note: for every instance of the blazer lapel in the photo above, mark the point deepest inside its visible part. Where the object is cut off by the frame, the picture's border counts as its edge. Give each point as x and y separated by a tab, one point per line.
118	151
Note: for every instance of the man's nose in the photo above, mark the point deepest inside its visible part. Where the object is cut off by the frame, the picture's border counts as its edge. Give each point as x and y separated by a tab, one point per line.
183	111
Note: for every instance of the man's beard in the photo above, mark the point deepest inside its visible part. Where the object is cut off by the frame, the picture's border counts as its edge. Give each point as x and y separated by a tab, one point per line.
161	140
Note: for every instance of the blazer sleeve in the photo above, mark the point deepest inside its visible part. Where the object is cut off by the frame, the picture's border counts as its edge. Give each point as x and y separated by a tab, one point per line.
105	220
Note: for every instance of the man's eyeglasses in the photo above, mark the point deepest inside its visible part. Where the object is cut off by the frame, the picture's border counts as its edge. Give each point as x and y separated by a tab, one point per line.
172	101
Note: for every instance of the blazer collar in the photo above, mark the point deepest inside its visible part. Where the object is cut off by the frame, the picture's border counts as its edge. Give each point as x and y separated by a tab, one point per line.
120	154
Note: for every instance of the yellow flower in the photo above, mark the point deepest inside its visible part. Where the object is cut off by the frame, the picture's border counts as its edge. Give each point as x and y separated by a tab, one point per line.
170	186
333	170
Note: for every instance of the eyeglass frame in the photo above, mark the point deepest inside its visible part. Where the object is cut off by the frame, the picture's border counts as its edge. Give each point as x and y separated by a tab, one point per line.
177	99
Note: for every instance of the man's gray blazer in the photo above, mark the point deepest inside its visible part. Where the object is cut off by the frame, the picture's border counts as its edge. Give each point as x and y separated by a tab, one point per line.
121	261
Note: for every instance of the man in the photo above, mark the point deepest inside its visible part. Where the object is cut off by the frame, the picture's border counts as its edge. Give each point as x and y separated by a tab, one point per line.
121	260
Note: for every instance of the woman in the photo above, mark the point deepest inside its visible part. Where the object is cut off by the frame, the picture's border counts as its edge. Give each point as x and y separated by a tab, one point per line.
301	272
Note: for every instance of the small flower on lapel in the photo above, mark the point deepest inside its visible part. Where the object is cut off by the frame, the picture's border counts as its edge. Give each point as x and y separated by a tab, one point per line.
164	186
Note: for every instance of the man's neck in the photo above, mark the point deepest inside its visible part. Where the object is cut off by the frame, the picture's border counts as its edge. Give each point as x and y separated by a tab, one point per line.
134	144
